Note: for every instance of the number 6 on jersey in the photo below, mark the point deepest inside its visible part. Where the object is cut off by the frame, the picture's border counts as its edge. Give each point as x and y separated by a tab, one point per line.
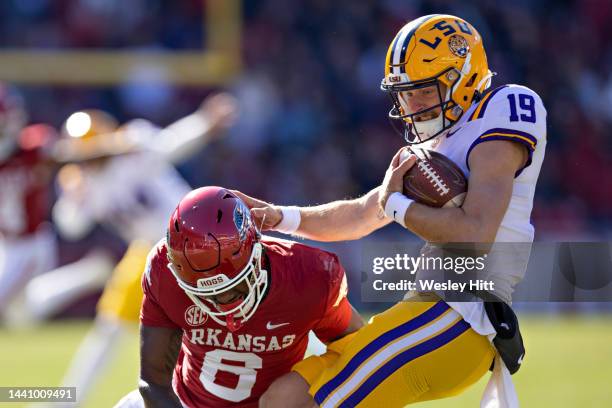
215	361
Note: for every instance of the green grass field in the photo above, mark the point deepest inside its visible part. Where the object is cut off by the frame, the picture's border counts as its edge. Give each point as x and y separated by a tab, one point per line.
568	363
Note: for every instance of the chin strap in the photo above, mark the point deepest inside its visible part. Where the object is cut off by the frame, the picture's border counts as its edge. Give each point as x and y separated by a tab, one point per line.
232	324
485	82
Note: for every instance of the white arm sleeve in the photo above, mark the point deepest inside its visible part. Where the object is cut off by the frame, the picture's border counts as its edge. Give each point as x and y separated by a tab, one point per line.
182	138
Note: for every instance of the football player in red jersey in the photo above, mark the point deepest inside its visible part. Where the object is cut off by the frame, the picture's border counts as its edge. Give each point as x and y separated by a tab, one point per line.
227	311
26	240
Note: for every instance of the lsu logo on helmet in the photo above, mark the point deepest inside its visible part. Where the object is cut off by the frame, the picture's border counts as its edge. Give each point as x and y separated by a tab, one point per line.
458	45
440	56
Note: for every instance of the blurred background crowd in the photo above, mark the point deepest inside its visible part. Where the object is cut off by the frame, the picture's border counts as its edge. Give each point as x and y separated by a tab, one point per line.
311	122
312	125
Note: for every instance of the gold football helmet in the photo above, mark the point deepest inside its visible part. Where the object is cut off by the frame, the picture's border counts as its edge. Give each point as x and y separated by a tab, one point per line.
436	67
92	134
88	124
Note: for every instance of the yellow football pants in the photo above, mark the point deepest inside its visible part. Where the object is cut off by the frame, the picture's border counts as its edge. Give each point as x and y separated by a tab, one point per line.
412	352
122	294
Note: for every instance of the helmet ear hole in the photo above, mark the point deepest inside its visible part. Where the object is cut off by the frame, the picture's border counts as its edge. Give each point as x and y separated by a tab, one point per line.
176	225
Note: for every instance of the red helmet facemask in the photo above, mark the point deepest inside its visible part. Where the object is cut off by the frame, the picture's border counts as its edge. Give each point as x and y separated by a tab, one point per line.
213	246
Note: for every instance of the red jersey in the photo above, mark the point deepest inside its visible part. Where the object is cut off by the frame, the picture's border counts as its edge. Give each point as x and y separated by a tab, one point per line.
219	368
25	182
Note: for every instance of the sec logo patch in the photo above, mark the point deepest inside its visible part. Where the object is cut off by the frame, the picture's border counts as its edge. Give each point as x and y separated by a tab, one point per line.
194	316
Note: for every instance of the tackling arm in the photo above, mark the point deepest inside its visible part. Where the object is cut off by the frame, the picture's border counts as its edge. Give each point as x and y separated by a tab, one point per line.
341	220
159	349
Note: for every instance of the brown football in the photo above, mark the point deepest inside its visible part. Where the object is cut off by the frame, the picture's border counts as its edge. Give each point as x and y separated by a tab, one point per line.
435	180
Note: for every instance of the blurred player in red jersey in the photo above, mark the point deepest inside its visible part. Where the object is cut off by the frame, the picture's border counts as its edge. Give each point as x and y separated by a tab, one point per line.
227	311
26	240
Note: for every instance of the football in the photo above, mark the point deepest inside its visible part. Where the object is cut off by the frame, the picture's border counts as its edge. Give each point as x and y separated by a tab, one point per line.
434	180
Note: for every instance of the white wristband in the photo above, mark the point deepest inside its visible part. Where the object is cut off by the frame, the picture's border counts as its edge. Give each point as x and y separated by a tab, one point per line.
396	207
291	220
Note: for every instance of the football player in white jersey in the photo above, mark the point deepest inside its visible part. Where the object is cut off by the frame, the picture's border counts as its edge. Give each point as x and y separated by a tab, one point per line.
437	75
123	178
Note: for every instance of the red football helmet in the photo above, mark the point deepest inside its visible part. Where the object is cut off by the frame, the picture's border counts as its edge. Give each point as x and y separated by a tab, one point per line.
213	246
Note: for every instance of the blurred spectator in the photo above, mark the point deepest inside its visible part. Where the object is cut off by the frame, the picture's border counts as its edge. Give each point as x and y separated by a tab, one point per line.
314	123
27	242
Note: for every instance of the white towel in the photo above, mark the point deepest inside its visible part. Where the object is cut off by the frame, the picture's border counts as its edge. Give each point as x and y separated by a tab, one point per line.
499	392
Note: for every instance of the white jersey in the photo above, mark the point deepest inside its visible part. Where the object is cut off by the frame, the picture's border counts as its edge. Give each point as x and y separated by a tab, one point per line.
514	113
133	193
509	112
